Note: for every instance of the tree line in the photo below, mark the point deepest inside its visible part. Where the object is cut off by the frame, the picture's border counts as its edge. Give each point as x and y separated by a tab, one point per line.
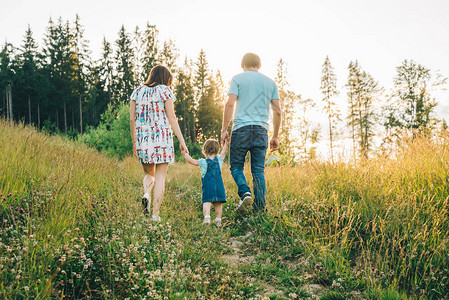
59	87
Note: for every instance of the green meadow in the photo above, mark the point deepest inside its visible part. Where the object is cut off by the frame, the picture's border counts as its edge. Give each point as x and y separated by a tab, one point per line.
71	227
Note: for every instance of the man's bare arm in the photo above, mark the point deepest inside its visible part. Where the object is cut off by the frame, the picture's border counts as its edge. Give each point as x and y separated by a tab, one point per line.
227	115
276	107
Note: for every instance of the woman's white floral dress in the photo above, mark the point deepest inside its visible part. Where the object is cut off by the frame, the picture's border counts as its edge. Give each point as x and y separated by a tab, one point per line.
154	140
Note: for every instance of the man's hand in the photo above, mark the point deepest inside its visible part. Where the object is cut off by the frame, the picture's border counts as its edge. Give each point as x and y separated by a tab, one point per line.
224	138
274	144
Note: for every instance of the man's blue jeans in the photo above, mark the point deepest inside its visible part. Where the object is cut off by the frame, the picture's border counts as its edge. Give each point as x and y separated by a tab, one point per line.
252	138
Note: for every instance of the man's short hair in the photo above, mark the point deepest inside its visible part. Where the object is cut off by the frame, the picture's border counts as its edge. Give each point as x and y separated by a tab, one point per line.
251	60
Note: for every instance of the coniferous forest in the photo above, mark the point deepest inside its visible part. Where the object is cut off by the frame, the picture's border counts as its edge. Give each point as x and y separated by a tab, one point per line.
57	86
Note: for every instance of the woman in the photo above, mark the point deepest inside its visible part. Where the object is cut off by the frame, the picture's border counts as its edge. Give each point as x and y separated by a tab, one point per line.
151	116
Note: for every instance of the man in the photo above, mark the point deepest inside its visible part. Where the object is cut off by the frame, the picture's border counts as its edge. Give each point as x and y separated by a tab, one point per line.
252	93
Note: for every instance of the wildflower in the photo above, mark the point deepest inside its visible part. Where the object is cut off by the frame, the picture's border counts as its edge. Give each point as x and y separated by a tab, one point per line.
26	288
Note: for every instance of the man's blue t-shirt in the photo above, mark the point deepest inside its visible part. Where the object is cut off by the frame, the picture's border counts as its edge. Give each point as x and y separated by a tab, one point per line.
254	94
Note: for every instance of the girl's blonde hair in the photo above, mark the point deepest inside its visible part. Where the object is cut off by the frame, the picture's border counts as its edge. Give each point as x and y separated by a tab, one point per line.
211	147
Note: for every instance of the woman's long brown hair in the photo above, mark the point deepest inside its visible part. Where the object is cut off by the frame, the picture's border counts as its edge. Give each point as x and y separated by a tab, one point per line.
159	75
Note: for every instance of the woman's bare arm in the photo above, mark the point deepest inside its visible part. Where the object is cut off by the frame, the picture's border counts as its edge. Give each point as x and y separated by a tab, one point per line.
173	121
132	123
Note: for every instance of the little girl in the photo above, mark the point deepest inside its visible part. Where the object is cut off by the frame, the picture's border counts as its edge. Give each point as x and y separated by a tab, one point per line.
213	187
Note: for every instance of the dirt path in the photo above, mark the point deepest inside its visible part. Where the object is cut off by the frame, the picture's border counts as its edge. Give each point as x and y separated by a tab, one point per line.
238	259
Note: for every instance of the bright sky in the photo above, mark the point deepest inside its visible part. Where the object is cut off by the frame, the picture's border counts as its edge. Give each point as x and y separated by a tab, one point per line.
380	33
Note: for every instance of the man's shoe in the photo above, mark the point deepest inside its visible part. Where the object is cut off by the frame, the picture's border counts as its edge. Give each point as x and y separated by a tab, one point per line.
245	203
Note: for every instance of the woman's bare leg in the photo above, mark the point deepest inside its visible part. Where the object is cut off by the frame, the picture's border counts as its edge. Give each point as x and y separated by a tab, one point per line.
148	180
159	187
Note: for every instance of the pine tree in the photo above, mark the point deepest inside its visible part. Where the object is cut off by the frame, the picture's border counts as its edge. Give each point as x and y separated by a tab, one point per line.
98	95
151	52
185	102
363	92
138	47
352	86
124	60
210	110
307	131
329	91
414	103
169	55
202	84
27	75
288	99
366	109
6	77
106	70
59	67
82	66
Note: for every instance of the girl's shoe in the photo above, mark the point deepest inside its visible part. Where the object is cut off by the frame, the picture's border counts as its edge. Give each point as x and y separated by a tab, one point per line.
146	203
206	220
156	219
217	222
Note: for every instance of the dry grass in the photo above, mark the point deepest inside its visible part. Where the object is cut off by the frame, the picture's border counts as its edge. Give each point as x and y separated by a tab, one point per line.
378	226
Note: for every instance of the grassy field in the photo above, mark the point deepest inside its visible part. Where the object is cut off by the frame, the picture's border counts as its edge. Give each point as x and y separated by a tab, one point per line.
71	227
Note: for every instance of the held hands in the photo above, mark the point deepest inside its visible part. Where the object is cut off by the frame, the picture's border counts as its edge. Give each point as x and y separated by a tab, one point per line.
224	138
184	149
274	144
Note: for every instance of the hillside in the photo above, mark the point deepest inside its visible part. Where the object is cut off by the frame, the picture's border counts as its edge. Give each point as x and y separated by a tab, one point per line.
71	227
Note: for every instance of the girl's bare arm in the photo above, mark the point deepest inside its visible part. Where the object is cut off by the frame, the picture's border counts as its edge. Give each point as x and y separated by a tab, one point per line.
191	160
225	149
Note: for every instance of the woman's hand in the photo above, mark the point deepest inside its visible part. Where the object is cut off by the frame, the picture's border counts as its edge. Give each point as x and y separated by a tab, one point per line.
183	148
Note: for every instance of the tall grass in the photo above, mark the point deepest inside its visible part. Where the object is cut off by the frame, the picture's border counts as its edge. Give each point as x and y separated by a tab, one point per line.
387	218
70	226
